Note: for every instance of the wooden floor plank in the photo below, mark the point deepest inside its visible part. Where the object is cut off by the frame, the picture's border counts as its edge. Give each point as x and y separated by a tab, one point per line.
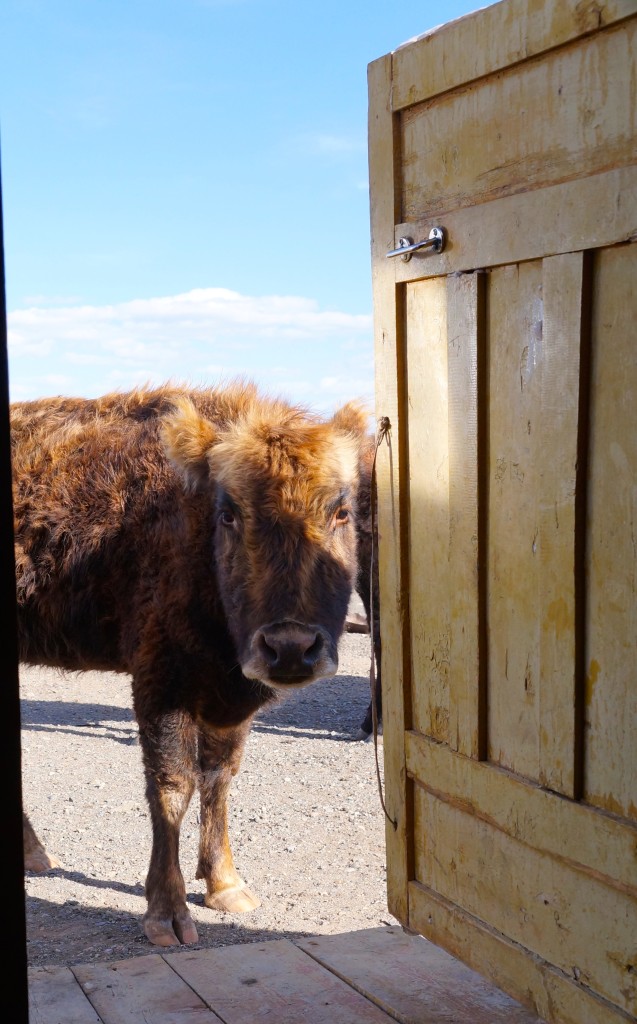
272	983
375	976
56	998
144	990
413	980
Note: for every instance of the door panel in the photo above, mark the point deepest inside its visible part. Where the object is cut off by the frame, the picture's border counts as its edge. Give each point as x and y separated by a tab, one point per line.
426	317
542	129
611	613
533	898
507	497
514	359
573	216
466	356
562	451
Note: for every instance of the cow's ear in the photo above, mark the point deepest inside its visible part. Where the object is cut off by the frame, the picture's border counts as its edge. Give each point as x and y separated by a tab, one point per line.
352	418
188	438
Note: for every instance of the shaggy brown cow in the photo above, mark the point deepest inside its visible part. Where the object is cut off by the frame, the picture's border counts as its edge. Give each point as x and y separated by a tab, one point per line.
204	542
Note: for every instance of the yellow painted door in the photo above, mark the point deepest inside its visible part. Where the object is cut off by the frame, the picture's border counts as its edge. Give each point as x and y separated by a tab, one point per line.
507	365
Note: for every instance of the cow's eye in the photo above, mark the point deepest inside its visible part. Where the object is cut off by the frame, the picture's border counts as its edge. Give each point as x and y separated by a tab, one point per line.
227	517
341	517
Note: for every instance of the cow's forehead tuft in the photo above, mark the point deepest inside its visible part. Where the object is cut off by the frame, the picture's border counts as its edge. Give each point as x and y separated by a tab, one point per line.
315	457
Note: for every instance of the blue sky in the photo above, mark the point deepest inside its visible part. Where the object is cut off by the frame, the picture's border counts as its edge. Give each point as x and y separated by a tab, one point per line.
185	191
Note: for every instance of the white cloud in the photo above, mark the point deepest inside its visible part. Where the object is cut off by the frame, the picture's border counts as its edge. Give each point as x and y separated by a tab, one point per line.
285	343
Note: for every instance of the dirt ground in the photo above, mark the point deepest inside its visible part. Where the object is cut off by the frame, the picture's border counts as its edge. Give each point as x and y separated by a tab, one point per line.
306	825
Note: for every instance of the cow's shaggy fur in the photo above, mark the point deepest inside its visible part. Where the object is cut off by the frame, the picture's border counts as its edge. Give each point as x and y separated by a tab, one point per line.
203	541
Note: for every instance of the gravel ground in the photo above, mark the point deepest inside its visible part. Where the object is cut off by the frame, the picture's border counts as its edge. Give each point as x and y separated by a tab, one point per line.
306	824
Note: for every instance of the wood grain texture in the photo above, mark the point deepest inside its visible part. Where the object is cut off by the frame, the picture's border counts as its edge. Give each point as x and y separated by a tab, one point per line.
56	998
611	627
552	994
599	845
525	129
394	590
264	982
597	211
144	990
466	343
534	899
374	976
415	981
427	404
492	39
514	380
562	289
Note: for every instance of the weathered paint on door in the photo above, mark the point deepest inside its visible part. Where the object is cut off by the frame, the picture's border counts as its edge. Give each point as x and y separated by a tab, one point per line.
507	365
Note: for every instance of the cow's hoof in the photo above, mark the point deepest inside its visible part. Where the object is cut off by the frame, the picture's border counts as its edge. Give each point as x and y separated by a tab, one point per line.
368	737
40	861
236	900
170	932
363	735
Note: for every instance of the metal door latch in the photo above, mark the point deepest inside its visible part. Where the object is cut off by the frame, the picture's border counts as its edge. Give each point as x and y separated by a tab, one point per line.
436	242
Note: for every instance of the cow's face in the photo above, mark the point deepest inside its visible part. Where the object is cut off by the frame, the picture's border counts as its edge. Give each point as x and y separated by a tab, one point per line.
284	538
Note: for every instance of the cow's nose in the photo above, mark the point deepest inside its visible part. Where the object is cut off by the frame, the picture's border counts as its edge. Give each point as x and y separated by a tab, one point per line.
290	651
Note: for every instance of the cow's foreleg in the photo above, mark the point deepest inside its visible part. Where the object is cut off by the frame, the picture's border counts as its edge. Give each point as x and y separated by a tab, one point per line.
169	746
36	857
219	759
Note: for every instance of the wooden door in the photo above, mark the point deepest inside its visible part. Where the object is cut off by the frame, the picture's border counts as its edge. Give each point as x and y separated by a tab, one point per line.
507	365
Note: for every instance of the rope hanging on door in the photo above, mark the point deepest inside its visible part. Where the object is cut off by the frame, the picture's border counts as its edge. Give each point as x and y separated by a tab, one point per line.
384	428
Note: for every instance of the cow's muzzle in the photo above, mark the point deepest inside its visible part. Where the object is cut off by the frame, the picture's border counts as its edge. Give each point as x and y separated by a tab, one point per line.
290	654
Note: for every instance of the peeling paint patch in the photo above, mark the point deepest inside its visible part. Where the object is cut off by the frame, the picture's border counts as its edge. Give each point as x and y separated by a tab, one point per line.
557	615
591	679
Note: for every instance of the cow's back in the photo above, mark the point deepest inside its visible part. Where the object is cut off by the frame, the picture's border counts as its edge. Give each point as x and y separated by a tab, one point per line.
96	507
